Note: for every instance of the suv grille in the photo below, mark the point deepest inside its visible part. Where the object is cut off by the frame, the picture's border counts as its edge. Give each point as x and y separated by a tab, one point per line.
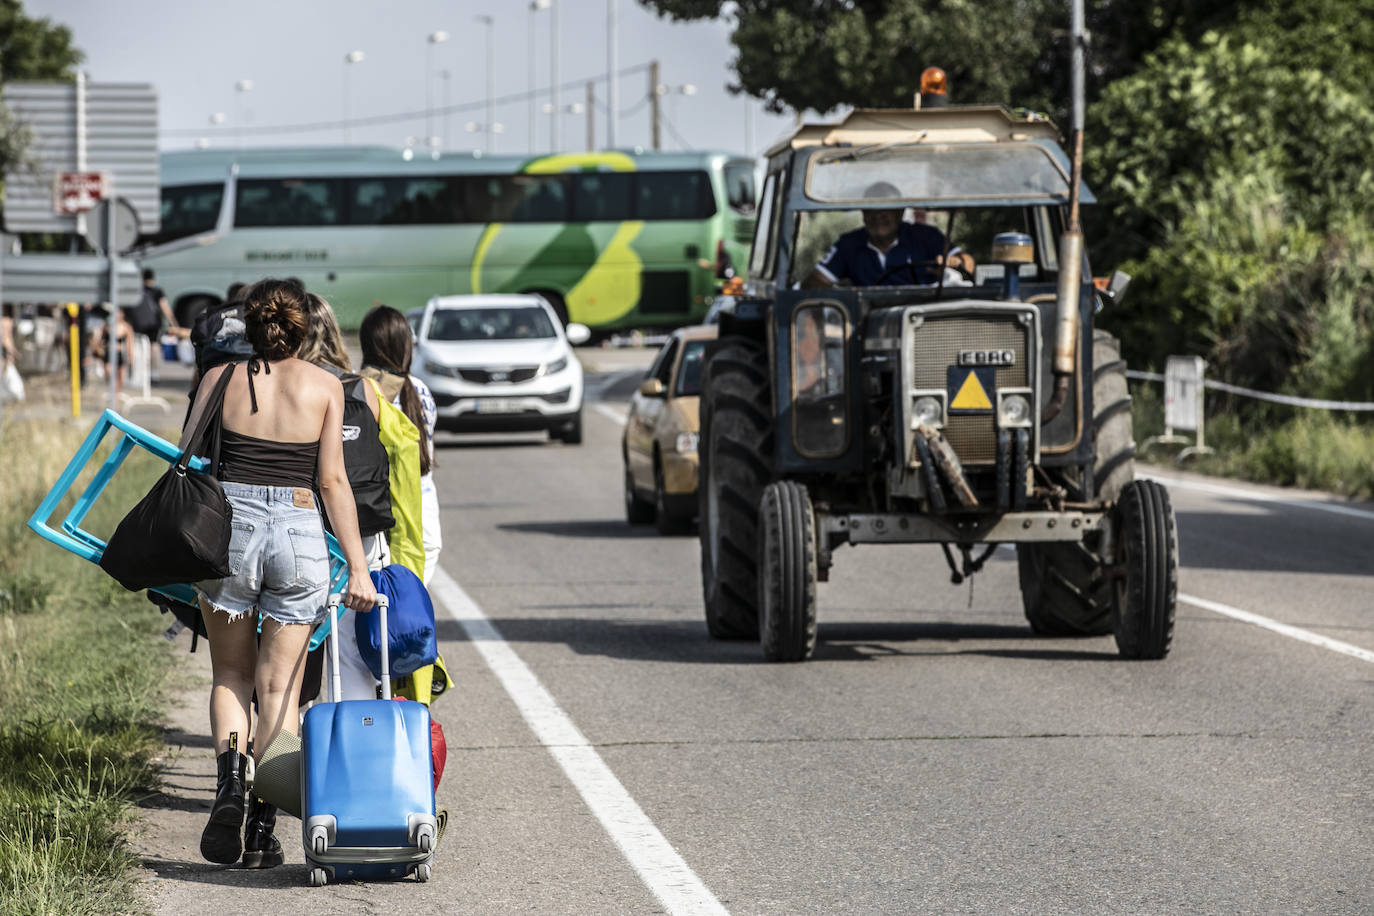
487	376
935	346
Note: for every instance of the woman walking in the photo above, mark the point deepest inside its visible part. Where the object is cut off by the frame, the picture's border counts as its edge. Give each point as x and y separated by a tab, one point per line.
282	434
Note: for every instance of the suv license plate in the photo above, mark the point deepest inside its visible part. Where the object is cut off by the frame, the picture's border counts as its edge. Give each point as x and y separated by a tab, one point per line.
498	405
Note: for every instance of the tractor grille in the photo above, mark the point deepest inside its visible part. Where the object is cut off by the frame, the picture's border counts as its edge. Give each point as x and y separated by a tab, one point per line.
935	346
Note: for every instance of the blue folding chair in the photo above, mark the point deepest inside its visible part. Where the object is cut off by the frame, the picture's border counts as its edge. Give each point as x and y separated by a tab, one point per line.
69	534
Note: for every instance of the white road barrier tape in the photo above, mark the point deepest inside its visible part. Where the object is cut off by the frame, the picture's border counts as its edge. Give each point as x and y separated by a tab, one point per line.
663	871
1292	632
1258	496
1261	395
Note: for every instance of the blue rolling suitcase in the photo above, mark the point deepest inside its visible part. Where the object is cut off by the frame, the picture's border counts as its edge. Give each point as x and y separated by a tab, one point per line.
367	784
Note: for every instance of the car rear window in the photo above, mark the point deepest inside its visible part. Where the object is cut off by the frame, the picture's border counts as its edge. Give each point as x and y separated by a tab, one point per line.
495	323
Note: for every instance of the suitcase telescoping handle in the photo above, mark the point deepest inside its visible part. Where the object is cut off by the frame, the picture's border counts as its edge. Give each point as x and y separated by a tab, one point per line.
336	681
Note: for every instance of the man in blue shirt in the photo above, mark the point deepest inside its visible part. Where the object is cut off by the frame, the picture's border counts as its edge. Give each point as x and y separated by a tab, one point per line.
864	255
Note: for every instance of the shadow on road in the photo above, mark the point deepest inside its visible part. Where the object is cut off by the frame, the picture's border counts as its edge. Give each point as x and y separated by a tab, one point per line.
686	643
289	875
1220	540
472	441
584	528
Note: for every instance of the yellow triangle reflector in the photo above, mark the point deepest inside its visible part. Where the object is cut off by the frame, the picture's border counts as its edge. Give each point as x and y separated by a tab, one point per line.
971	395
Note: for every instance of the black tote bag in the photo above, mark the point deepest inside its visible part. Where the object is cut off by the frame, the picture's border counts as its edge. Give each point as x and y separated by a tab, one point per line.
180	531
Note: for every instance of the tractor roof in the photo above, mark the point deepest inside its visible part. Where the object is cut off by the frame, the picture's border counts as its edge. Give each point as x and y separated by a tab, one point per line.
950	124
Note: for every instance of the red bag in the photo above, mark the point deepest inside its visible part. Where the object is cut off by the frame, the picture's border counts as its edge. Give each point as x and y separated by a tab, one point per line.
438	747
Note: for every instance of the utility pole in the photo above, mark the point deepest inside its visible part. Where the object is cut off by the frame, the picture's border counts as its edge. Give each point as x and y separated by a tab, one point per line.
654	134
612	65
554	137
591	115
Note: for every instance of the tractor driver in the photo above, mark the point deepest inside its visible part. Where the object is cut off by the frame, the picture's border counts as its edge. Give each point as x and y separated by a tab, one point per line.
864	256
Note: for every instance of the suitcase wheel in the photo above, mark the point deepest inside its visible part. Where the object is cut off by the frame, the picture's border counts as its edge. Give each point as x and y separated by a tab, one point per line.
318	877
320	843
422	872
425	841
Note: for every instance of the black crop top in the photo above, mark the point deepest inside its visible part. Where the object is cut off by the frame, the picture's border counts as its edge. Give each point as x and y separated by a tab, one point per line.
265	463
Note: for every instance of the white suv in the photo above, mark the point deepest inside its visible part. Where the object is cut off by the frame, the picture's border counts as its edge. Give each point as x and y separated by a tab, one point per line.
500	363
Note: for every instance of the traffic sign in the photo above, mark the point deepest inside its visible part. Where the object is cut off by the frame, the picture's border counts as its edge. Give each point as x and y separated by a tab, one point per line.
126	226
77	192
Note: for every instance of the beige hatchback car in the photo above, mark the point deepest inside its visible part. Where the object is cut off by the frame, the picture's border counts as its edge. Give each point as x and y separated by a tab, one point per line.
660	444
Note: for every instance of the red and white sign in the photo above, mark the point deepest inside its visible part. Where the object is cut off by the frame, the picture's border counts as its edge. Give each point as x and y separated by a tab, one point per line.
77	192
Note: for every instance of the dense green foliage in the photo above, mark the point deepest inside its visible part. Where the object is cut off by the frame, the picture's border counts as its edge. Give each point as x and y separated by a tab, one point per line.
81	673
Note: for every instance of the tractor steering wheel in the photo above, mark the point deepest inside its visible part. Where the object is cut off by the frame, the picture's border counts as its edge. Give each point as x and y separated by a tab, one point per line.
915	266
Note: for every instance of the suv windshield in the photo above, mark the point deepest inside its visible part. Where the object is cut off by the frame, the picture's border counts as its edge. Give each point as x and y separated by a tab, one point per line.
523	323
939	172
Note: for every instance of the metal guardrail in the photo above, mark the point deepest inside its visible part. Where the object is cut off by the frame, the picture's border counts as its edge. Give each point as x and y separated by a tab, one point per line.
1286	399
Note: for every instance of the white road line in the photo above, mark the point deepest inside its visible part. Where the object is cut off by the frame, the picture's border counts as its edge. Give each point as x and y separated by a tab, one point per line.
663	871
1292	632
1257	496
614	413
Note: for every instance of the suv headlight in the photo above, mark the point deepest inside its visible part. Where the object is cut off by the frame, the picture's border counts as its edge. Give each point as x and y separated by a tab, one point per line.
686	443
440	369
556	366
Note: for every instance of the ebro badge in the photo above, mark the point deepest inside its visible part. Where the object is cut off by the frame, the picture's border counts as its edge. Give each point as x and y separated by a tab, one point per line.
971	388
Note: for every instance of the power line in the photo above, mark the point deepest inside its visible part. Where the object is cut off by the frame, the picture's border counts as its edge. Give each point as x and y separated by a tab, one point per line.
398	116
673	130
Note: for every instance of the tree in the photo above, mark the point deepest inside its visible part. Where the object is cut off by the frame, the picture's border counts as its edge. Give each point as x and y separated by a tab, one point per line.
34	49
821	54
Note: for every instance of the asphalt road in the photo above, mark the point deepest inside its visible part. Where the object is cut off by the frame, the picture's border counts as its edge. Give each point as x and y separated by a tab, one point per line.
606	756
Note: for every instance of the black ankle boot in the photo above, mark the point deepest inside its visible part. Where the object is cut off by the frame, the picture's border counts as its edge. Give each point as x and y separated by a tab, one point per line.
220	841
260	846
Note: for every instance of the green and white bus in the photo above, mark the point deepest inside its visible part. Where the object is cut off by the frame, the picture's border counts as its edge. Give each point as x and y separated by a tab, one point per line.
612	239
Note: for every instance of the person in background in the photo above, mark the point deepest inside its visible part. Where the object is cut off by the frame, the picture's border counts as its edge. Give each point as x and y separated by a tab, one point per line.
123	343
282	434
387	344
159	309
324	347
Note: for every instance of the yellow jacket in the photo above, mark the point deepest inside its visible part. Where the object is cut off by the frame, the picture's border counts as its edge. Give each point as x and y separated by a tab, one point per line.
401	439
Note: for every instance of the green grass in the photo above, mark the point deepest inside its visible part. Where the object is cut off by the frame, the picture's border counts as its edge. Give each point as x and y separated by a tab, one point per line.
1314	449
82	675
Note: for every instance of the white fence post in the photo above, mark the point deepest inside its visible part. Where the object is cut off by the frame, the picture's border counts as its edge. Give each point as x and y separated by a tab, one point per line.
1184	408
142	370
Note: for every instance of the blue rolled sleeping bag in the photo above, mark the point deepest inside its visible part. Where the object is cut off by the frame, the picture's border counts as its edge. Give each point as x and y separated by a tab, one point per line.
413	642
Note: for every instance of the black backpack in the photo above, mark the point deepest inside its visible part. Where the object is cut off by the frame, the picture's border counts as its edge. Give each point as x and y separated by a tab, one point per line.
369	470
146	317
218	336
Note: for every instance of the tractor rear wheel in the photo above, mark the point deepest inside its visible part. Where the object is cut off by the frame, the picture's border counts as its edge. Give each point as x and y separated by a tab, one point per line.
736	454
1064	588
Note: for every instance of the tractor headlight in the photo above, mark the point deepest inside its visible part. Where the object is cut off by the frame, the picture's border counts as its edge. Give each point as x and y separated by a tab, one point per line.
928	410
686	443
1013	410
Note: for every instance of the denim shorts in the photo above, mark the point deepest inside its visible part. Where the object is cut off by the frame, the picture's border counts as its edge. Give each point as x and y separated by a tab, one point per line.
278	559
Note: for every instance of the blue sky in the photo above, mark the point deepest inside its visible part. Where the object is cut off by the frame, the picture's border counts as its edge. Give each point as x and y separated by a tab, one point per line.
293	52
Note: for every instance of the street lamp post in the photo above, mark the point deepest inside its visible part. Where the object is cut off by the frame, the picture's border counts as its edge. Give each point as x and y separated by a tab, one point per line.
612	65
437	37
491	120
444	75
535	7
240	88
553	72
351	58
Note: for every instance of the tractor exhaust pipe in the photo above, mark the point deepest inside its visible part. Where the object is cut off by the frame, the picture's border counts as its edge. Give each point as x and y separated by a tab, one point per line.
1066	330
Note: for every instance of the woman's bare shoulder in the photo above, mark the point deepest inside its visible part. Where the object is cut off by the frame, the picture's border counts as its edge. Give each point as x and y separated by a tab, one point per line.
310	374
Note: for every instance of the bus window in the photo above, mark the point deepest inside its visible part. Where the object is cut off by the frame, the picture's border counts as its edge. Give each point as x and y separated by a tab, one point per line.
517	199
739	187
189	210
402	201
289	202
602	196
673	195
